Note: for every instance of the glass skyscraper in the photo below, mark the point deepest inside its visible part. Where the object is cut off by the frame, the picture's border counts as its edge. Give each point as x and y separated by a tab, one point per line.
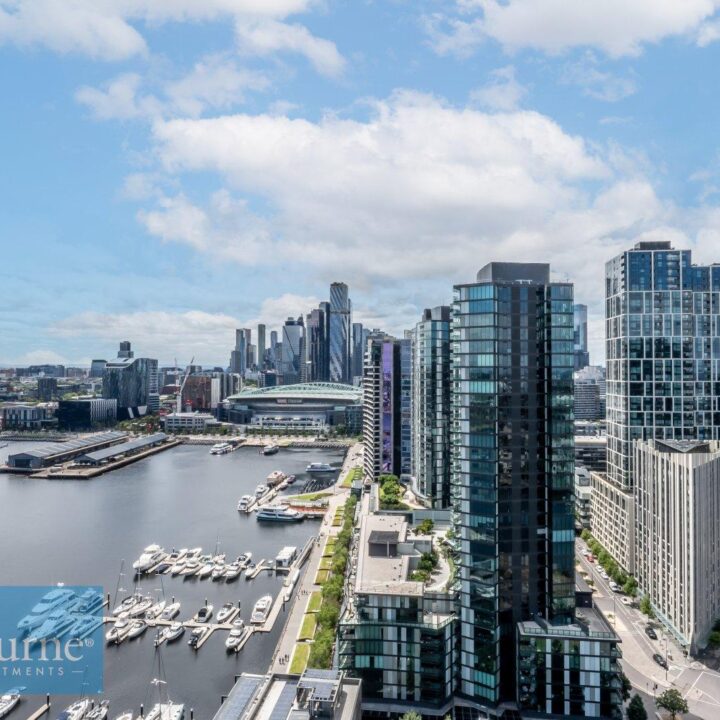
512	466
340	333
430	462
663	372
582	356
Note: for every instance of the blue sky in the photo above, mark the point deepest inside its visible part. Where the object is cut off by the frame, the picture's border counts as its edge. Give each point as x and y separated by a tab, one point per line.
172	170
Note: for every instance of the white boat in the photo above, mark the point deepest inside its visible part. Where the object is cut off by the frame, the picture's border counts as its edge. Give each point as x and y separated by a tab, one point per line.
150	556
84	626
9	700
245	559
137	628
279	513
174	631
318	467
204	614
232	571
57	623
116	634
205	569
166	711
225	612
270	449
76	711
196	636
171	611
156	610
245	502
127	715
220	448
127	603
100	712
50	601
261	610
275	478
260	490
141	607
191	567
178	567
286	556
218	571
88	602
236	637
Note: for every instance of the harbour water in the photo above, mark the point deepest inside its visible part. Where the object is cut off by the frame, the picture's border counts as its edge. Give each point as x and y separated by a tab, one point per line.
80	531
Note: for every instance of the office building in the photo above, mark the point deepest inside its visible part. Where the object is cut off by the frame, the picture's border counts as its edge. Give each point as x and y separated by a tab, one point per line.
197	393
396	633
125	351
583	493
47	389
86	413
97	368
591	452
25	417
386	407
663	358
188	422
292	356
513	466
358	352
590	391
317	344
580	324
430	378
340	333
677	523
239	356
261	346
133	382
273	355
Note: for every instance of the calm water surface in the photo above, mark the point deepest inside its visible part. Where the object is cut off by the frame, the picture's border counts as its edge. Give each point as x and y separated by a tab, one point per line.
79	532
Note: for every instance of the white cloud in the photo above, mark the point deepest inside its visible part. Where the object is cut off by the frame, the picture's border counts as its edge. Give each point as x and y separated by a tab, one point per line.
597	83
109	29
503	92
40	357
616	27
270	36
118	100
214	82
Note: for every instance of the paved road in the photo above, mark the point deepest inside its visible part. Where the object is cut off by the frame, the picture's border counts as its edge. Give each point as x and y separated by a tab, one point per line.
699	685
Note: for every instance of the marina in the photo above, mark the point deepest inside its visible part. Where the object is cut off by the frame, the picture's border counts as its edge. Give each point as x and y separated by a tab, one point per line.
198	494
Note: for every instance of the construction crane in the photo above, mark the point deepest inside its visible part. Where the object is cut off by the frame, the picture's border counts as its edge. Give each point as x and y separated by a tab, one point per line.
178	406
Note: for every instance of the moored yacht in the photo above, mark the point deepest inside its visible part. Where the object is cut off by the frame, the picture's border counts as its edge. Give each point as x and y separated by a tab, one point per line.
57	623
318	467
9	700
220	448
225	612
150	556
245	502
237	636
260	490
204	614
232	571
156	610
261	610
100	712
271	449
166	711
76	711
278	513
171	611
50	601
116	634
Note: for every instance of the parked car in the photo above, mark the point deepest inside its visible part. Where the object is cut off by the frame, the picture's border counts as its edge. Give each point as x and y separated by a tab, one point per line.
660	660
614	586
650	632
625	600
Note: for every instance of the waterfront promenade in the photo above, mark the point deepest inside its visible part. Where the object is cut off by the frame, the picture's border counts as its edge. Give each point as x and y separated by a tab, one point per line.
306	585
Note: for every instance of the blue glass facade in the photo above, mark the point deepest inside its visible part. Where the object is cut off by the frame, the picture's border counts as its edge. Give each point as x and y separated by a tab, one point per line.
512	466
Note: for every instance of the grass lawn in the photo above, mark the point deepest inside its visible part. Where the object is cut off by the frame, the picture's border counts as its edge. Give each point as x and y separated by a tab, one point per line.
307	630
329	548
314	602
308	497
356	472
321	577
325	563
299	658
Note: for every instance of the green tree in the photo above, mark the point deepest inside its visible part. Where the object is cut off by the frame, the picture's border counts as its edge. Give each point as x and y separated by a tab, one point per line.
630	587
672	701
646	607
425	527
626	687
585	535
411	716
636	710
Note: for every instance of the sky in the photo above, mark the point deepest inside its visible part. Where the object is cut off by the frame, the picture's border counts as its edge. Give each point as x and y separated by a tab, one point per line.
173	169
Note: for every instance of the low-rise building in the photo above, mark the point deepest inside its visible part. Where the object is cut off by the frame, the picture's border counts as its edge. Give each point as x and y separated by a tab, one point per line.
677	534
397	633
591	452
86	413
569	671
26	417
188	421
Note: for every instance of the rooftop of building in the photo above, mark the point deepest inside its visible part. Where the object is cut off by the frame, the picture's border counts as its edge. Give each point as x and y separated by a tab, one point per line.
123	448
512	272
589	623
331	392
591	440
45	451
326	693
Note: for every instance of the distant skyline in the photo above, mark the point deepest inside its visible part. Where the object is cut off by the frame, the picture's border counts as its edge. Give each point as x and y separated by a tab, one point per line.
174	170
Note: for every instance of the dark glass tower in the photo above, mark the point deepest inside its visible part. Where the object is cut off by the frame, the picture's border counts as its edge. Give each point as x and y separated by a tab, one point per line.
340	333
512	465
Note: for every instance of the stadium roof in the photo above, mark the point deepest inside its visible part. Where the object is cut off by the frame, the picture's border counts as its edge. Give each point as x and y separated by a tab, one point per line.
320	390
